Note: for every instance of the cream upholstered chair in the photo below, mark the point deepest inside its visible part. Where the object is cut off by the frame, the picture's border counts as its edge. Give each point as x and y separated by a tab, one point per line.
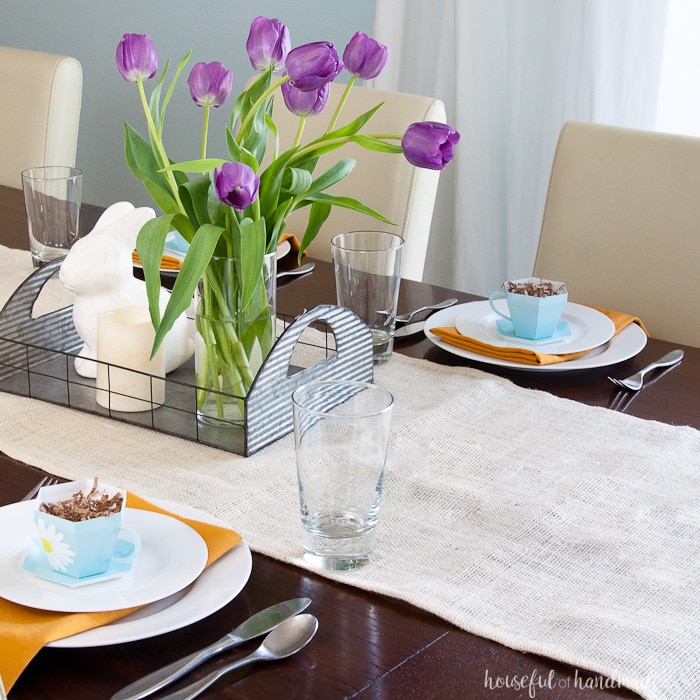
41	97
388	183
621	225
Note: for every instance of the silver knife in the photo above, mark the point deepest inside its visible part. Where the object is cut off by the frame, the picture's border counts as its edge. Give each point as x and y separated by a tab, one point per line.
255	626
409	329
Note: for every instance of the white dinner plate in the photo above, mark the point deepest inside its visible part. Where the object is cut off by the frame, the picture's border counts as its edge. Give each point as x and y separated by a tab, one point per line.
627	343
172	556
216	586
588	328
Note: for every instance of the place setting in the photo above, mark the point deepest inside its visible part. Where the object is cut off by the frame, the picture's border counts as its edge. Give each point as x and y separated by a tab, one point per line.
176	247
174	252
88	564
529	324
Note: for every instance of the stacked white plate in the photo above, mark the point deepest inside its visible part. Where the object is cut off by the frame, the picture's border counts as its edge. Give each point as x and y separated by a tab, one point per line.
589	330
167	579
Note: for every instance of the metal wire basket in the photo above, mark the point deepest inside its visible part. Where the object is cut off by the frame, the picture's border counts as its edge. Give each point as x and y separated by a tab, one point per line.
37	360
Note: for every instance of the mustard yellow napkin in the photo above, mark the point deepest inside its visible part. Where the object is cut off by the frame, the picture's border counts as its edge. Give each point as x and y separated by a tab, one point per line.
168	262
527	356
294	243
24	631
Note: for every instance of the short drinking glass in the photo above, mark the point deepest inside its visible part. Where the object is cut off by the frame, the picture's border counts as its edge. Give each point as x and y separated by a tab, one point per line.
342	437
367	267
52	197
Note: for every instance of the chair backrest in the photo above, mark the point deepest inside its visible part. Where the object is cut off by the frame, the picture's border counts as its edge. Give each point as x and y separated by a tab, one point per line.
621	225
40	113
386	182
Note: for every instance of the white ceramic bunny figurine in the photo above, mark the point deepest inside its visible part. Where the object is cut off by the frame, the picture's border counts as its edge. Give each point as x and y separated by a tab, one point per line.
99	271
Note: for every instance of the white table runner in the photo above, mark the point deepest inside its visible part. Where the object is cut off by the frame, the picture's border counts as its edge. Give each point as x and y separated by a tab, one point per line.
541	523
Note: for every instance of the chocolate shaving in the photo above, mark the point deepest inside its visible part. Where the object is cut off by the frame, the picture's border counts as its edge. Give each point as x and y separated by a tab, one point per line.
541	288
81	506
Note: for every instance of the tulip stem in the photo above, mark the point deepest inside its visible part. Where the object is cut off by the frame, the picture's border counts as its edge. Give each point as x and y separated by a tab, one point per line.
205	131
341	140
158	143
254	108
341	104
300	131
387	137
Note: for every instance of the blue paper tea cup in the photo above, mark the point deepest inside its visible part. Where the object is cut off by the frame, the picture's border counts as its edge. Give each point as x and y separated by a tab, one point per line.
533	317
85	547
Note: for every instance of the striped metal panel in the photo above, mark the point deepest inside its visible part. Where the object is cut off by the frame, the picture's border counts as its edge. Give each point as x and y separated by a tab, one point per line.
269	414
27	341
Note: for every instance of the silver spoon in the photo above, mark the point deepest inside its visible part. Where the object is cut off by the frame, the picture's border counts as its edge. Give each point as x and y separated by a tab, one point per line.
288	638
405	318
301	270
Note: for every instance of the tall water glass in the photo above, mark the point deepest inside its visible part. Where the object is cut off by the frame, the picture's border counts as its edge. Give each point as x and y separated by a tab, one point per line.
341	433
367	267
52	197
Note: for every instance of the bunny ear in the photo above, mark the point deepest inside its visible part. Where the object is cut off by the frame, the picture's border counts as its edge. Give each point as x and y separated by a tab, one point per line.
126	229
118	226
112	213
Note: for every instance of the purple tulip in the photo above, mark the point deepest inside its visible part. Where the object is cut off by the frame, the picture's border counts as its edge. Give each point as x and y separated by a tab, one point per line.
312	65
236	185
136	57
429	144
210	84
268	43
365	57
305	104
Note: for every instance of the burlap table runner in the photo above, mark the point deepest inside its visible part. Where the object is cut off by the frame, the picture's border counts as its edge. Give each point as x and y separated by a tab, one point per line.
546	525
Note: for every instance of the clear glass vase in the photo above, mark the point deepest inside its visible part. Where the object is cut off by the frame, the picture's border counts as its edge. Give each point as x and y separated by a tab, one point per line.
234	336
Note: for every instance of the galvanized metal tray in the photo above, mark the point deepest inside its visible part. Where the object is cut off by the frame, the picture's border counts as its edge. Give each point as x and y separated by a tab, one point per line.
37	360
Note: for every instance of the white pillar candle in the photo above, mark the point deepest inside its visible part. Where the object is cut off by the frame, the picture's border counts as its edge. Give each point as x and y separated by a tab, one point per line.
124	340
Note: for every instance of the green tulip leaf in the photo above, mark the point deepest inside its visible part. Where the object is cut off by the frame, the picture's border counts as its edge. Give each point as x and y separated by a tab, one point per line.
199	254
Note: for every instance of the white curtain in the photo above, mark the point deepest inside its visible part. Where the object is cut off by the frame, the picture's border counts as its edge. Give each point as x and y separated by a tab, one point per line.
510	73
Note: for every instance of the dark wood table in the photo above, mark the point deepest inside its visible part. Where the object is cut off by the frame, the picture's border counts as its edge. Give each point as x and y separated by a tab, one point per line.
368	645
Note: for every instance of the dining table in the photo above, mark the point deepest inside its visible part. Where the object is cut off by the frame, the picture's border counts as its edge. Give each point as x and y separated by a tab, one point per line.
374	641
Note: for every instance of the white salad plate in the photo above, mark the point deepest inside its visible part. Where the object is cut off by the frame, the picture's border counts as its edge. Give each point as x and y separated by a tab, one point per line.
588	328
215	587
172	556
283	248
627	343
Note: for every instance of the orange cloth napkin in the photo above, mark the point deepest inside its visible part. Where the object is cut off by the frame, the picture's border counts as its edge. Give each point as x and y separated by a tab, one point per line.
24	631
168	262
294	243
524	355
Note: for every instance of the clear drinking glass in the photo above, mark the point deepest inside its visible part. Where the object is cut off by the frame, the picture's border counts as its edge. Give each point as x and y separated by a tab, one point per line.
342	438
52	197
367	267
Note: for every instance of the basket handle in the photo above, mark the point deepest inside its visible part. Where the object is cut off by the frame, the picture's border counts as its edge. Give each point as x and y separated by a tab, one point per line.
269	414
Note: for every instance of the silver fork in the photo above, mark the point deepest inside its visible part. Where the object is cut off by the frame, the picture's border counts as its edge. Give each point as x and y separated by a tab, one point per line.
46	481
634	382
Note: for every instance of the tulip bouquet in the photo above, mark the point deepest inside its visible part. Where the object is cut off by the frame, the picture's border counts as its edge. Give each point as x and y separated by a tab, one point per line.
232	210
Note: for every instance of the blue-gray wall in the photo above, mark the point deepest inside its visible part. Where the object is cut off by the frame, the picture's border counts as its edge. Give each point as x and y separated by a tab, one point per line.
216	30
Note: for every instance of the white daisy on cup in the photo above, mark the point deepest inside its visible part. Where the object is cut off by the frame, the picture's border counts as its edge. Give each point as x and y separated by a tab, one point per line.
59	553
